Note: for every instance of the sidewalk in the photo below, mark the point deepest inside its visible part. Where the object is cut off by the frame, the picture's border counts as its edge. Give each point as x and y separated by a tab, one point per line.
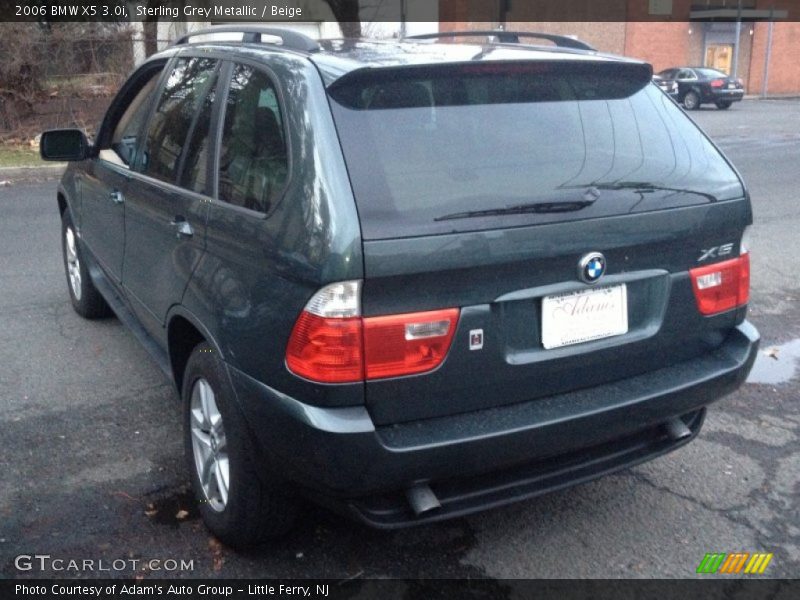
40	171
772	97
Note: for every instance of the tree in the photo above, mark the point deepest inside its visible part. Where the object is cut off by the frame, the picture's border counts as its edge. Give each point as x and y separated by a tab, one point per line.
347	14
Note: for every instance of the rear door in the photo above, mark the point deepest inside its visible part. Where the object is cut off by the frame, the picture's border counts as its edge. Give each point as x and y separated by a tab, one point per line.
687	79
489	187
166	201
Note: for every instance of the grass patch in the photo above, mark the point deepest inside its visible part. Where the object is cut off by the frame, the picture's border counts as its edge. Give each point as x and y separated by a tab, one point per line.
19	156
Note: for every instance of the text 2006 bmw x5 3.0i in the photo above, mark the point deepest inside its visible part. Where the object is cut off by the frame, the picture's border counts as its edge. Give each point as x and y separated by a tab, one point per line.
409	279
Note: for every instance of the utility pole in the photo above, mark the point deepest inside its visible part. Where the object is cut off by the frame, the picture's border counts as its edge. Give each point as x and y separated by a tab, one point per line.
768	52
735	70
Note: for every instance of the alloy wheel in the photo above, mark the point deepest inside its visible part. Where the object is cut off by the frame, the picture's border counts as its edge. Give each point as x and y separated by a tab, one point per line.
73	264
209	445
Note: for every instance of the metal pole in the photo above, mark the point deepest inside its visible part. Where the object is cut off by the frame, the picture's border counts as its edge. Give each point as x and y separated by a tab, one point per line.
402	18
768	53
735	70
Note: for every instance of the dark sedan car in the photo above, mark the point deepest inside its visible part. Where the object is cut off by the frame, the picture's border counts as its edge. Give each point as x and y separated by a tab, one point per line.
702	85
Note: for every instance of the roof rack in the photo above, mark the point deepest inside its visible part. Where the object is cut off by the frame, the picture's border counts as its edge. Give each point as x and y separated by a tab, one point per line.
509	37
252	34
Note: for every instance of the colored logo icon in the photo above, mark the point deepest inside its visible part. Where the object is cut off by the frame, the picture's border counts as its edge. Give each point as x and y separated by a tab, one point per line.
731	564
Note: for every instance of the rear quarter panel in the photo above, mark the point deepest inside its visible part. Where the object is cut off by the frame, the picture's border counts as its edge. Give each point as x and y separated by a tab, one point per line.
259	271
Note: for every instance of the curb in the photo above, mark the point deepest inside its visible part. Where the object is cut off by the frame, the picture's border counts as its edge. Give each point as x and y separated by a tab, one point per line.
32	171
767	98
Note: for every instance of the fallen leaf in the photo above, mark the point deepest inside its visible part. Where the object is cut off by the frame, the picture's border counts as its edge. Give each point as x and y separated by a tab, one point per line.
214	545
772	352
181	514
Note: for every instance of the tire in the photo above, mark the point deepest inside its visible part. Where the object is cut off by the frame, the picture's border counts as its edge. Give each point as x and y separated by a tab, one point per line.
691	101
237	501
724	105
85	298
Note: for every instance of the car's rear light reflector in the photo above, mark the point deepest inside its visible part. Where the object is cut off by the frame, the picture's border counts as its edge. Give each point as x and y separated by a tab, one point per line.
409	343
722	286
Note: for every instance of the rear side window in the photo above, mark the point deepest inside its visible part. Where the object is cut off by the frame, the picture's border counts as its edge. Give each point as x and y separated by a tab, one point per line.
496	145
194	160
710	73
176	116
253	166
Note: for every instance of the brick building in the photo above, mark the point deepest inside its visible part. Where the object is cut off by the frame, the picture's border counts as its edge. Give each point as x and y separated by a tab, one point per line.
665	33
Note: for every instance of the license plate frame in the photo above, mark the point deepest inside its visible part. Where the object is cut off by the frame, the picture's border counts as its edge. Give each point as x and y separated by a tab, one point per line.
584	315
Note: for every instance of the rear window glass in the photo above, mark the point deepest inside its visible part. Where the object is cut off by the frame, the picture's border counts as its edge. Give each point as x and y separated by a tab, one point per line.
710	73
490	146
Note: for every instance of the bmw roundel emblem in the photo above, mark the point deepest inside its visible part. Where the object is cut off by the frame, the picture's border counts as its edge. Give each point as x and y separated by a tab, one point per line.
592	267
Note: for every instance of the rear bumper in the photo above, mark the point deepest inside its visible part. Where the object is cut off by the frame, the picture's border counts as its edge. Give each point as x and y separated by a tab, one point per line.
723	95
489	457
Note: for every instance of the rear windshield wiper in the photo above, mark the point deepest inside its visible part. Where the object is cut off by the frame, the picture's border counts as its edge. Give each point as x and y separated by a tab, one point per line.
645	188
520	209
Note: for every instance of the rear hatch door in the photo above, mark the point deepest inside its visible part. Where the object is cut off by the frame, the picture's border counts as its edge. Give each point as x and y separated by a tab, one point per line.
487	187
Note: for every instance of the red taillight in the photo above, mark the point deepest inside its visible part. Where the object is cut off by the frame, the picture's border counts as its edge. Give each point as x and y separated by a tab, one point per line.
722	286
717	83
406	344
326	349
332	343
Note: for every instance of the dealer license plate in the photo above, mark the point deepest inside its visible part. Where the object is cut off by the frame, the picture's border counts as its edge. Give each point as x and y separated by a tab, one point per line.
586	315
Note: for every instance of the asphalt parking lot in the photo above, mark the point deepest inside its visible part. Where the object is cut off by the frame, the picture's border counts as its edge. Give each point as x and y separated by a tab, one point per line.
91	462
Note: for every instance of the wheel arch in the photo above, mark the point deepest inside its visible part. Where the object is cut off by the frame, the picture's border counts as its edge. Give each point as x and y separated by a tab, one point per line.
62	202
184	333
66	201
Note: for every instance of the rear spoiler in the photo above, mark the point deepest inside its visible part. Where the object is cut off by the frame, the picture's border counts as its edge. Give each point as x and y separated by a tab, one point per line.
624	77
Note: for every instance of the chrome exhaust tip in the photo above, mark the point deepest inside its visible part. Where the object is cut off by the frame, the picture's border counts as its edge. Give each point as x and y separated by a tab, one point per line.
422	499
677	429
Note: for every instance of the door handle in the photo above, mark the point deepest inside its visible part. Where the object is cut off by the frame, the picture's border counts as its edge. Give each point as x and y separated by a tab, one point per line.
116	197
182	227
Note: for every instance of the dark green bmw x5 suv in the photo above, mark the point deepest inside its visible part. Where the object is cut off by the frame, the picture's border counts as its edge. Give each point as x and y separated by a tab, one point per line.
409	279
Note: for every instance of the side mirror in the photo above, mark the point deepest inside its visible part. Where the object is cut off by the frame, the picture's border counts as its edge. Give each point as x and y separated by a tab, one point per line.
64	145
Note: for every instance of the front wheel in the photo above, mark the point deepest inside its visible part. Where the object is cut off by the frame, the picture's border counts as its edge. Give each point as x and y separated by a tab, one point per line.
691	101
724	105
85	298
237	501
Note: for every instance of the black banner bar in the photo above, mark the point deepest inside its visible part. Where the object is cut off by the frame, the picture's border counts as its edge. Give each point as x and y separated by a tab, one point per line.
444	11
423	589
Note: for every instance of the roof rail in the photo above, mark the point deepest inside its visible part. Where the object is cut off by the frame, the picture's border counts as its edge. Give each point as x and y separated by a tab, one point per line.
509	37
252	34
